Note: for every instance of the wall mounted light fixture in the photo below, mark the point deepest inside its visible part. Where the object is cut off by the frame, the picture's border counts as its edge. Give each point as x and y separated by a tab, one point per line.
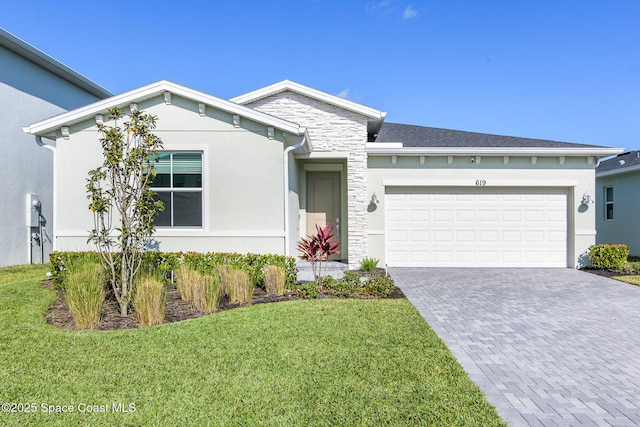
374	199
587	199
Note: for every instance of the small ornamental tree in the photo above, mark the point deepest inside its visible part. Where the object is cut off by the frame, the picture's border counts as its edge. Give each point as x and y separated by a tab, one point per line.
123	205
317	248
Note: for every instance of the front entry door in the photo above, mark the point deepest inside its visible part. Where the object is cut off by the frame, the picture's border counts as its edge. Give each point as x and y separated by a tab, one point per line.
323	202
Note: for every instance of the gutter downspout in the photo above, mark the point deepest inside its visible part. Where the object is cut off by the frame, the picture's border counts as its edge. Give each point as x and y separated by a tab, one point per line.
55	201
286	191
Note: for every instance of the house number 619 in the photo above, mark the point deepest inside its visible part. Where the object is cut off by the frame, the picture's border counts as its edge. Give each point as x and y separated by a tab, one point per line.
481	182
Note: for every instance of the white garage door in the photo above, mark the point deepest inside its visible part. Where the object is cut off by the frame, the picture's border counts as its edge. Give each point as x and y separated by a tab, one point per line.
478	227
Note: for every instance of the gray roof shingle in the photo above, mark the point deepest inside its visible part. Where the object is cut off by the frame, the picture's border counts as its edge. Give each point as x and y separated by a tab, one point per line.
422	136
620	162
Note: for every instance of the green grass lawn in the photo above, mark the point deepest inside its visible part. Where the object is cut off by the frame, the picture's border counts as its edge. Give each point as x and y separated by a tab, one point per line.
320	363
634	280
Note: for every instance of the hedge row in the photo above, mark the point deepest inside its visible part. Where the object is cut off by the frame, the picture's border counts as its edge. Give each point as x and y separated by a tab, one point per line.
166	262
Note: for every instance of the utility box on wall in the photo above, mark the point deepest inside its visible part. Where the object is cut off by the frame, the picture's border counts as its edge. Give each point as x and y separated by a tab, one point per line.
33	210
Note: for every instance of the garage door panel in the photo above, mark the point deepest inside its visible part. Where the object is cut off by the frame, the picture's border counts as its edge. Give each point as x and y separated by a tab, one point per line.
488	236
397	215
534	236
487	256
476	227
534	216
419	256
465	215
464	197
511	216
419	236
464	257
398	236
557	236
419	214
463	236
443	236
442	215
556	216
511	236
511	257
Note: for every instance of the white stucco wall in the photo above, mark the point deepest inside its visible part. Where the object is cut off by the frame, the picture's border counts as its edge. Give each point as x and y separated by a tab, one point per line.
625	226
576	175
242	179
28	93
332	130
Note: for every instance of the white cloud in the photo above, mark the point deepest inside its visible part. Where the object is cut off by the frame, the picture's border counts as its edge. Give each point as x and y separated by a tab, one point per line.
409	12
344	94
381	8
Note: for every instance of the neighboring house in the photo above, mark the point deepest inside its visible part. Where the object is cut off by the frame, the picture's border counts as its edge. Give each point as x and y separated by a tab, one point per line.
257	172
32	86
618	200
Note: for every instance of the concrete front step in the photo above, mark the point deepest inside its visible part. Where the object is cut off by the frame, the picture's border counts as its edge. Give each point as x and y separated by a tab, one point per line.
334	269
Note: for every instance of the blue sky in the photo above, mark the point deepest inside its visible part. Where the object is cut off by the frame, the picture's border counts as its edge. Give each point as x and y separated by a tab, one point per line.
564	70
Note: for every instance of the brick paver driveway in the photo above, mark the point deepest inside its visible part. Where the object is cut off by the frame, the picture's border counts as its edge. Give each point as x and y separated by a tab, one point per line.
547	346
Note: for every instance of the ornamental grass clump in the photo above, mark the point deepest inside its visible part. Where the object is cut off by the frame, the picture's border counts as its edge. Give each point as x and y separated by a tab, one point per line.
186	277
369	264
85	292
207	292
150	300
237	285
274	279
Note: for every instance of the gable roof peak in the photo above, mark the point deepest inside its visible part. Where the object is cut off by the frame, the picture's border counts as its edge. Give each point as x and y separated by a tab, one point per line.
150	91
289	85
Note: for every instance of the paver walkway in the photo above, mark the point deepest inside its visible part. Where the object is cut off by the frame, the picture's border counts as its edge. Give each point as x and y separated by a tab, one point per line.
547	346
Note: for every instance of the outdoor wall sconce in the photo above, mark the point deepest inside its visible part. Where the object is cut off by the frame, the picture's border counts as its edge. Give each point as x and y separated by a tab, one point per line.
374	199
586	198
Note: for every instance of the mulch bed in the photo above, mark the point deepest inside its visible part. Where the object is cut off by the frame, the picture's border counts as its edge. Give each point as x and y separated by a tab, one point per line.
58	314
603	273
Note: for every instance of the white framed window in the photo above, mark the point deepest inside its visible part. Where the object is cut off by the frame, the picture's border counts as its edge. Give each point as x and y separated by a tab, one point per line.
608	203
178	184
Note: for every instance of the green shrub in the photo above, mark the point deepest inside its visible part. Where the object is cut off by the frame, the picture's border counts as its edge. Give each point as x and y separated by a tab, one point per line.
150	299
274	279
84	287
347	287
166	262
61	261
608	256
307	290
369	264
379	286
630	267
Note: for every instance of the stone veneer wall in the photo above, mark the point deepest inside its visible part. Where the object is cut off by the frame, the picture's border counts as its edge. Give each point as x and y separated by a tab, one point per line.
332	129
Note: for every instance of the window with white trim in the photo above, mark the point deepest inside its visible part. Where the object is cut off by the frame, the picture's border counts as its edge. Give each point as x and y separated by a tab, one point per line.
608	203
178	184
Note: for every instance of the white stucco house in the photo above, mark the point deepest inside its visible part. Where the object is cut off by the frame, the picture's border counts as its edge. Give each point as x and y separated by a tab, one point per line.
618	200
258	171
32	86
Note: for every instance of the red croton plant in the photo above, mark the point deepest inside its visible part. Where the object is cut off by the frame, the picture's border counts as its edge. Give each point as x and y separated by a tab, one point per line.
317	248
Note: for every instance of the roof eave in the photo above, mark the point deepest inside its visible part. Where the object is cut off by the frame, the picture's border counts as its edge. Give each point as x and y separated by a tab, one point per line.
618	171
45	61
75	116
398	150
